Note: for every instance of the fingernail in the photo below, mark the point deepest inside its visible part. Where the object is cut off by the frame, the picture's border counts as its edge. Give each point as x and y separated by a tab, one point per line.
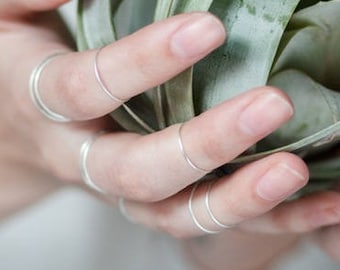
265	114
198	37
280	182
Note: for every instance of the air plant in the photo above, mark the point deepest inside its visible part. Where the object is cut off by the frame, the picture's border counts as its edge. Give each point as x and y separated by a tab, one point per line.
291	44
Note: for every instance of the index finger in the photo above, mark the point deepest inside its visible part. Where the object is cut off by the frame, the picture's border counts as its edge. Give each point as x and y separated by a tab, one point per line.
128	67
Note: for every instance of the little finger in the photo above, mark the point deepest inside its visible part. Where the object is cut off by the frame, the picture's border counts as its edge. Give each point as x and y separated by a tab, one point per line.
300	216
206	208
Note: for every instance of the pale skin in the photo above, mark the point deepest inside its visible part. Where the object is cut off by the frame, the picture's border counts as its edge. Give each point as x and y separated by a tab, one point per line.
149	172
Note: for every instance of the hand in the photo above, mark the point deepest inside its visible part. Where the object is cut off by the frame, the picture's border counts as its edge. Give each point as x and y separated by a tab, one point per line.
271	236
150	172
328	236
328	240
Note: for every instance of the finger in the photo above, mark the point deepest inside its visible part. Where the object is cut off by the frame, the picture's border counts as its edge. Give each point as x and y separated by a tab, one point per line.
128	67
152	167
251	191
329	240
301	216
21	7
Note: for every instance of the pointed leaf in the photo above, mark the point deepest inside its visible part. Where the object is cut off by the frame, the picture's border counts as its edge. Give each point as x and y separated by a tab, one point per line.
95	22
316	108
178	91
96	30
315	48
254	32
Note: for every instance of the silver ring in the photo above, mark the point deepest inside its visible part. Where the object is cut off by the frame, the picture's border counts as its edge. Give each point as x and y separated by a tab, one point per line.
192	214
212	216
123	211
184	154
34	91
84	151
100	80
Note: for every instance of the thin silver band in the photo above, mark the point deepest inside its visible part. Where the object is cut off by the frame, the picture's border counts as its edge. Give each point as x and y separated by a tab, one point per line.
184	154
100	80
212	216
84	151
192	214
123	211
34	90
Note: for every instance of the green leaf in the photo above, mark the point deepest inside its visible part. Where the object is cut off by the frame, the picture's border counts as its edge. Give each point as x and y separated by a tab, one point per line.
314	49
299	147
96	29
177	95
254	30
167	8
328	168
180	106
315	125
95	23
316	107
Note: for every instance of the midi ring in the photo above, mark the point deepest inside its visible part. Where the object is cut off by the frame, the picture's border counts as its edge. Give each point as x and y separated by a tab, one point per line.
192	213
101	82
211	215
185	155
34	90
84	151
123	210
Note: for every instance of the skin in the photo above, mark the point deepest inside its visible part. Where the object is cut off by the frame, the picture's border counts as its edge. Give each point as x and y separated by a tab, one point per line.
149	172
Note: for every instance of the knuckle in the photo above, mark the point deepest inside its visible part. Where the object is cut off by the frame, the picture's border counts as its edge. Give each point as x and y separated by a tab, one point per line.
73	91
239	210
214	145
142	64
135	187
282	223
165	222
212	149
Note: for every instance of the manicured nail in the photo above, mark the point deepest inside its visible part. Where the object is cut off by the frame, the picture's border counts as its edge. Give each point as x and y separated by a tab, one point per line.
280	182
198	37
265	114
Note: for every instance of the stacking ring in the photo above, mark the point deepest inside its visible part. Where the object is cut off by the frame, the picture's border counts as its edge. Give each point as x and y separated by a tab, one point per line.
211	215
185	155
34	90
192	213
123	211
84	151
101	82
208	209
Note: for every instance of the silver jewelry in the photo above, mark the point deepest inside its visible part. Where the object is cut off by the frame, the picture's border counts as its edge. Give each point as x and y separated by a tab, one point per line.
34	90
123	211
192	214
212	216
100	80
84	151
184	154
